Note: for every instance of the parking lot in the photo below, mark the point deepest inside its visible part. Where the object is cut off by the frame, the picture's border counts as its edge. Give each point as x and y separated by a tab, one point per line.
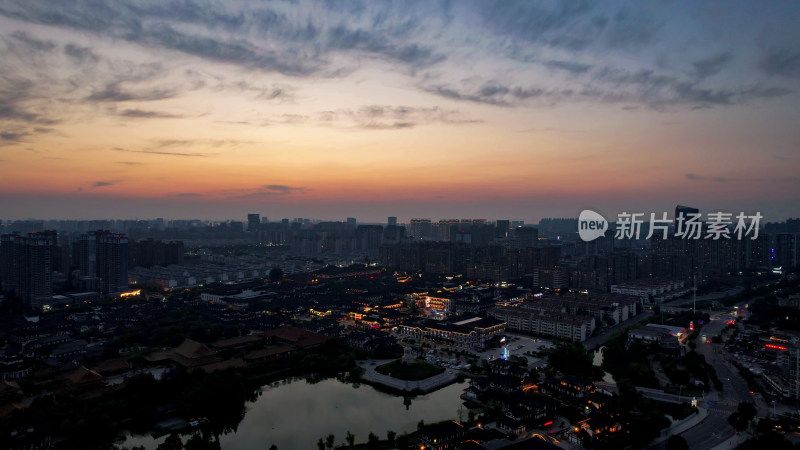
520	345
517	344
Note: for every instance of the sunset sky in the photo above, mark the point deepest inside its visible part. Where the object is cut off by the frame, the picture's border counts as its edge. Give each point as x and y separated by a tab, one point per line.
519	110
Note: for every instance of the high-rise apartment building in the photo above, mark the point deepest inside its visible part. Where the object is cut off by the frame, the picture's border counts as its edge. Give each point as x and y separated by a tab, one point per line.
783	252
103	254
26	267
788	360
112	262
253	221
420	228
85	254
502	228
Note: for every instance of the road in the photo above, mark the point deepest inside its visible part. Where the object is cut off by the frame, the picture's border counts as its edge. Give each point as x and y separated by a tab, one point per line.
710	296
654	394
595	341
715	430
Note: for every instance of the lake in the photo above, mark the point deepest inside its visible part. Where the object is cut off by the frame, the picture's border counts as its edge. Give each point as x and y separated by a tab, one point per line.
294	414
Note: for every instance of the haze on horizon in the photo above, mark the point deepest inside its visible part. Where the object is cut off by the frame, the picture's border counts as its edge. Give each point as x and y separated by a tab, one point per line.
502	109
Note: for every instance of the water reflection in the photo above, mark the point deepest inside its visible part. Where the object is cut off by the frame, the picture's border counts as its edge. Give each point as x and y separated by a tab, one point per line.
294	414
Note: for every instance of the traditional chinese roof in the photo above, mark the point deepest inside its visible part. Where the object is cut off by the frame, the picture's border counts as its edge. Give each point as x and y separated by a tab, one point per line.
82	375
296	336
192	350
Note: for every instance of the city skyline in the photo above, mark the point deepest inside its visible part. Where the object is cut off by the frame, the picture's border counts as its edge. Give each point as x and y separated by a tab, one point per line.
518	110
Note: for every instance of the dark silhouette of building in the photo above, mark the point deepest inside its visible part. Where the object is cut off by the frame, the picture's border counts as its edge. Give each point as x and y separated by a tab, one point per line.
112	262
237	227
502	228
253	222
150	252
26	266
104	254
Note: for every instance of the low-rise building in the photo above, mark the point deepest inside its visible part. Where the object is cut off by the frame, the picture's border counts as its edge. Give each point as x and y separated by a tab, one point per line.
546	323
472	332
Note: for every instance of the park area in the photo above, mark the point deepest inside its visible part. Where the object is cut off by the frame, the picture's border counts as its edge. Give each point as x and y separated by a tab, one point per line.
414	371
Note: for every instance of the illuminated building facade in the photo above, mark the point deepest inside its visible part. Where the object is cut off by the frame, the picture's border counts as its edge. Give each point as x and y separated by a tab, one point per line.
472	332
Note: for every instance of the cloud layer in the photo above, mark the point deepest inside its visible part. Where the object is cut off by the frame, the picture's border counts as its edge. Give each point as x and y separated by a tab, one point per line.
199	99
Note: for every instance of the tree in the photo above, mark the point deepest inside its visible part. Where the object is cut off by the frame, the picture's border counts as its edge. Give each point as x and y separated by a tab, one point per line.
320	444
741	418
350	439
747	410
197	442
677	442
390	436
329	441
172	442
572	359
276	274
770	440
421	425
273	447
372	439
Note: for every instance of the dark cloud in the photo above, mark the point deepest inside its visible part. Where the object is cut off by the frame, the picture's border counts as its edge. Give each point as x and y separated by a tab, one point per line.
32	43
658	91
612	86
282	188
293	119
164	153
102	183
129	163
233	52
385	117
569	66
145	114
495	93
712	65
216	143
343	38
9	110
456	94
218	33
523	22
387	126
80	54
267	190
782	62
173	143
112	92
187	194
331	39
14	93
268	92
13	135
633	27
